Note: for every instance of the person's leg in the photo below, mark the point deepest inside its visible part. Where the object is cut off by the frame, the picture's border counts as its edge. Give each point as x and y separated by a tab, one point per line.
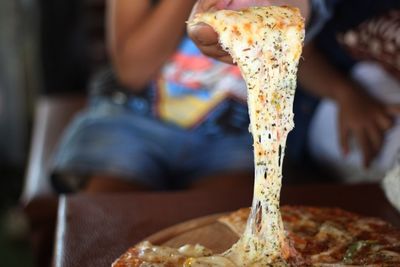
222	162
108	144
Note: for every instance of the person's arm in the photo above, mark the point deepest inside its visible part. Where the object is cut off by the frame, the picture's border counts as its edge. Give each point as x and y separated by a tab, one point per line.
141	38
207	39
360	115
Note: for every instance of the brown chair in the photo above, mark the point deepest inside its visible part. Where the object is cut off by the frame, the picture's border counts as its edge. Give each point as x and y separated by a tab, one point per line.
52	114
39	200
72	48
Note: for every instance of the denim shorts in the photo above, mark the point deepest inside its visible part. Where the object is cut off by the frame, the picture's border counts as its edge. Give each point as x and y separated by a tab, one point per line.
109	138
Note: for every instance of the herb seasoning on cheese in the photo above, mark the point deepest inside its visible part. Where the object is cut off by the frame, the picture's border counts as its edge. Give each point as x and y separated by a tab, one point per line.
266	43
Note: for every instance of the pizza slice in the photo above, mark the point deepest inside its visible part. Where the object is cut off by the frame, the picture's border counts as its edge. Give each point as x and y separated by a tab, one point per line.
266	43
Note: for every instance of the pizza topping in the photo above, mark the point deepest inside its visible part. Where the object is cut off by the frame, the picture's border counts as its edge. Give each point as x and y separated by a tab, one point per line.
333	237
355	248
194	251
321	244
213	261
332	232
149	253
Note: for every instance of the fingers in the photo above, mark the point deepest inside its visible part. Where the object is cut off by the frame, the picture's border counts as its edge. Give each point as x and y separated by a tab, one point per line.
369	136
215	51
384	121
203	35
206	40
365	146
369	142
393	110
375	137
227	59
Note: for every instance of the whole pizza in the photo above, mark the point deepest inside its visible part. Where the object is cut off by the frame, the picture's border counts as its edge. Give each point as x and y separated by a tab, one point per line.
317	236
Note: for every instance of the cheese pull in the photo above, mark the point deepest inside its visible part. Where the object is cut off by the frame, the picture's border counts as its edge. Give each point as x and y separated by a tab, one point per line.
266	43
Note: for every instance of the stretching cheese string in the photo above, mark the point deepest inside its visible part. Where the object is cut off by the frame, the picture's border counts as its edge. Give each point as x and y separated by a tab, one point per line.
266	43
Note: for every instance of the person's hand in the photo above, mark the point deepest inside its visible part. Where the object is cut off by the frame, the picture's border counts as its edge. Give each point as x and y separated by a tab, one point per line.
366	120
204	36
207	39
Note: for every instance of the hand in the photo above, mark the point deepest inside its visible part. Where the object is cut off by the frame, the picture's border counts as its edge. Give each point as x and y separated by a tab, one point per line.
207	39
366	119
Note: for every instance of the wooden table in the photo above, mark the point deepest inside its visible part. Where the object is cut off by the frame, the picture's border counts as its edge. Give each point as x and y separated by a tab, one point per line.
93	230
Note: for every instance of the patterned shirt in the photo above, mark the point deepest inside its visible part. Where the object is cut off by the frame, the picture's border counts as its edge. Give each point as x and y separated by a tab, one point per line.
195	91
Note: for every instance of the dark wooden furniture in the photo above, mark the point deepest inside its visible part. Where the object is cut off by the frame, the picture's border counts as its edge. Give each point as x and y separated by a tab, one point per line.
95	230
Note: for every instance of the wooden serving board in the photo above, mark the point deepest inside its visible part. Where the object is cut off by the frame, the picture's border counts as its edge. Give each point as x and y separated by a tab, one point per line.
206	231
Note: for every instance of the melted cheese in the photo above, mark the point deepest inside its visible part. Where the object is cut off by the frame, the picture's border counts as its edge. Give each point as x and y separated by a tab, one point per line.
266	43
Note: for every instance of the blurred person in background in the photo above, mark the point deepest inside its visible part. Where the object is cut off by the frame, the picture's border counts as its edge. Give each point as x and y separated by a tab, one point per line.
169	117
166	116
355	129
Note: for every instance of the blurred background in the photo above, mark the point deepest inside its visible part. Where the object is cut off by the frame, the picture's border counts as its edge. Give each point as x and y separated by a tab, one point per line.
50	49
47	51
20	77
